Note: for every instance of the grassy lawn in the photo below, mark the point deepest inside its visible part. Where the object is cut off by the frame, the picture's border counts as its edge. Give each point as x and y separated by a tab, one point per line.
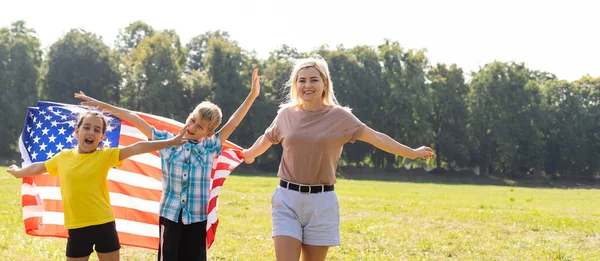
380	221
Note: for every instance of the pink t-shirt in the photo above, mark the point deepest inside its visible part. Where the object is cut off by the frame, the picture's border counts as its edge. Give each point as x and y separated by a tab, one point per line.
312	142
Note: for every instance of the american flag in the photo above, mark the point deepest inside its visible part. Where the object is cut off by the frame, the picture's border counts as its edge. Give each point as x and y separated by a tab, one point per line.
135	188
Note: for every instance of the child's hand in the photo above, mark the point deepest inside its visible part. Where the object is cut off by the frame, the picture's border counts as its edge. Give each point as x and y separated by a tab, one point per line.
14	170
255	91
89	101
178	140
247	157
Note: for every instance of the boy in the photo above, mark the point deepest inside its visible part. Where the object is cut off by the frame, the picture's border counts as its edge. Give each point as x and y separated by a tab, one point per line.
186	172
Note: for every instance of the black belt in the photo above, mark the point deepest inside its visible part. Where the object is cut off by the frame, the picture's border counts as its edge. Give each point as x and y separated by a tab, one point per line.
305	188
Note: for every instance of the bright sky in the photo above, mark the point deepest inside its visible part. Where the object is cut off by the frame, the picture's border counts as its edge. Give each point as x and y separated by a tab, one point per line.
561	37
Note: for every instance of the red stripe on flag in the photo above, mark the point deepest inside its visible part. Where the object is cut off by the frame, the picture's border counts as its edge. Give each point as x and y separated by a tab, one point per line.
52	205
125	140
133	191
138	241
28	200
159	124
210	234
142	169
218	182
34	227
223	166
136	215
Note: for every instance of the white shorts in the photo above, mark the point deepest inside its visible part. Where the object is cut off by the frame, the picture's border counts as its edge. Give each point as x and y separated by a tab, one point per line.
314	219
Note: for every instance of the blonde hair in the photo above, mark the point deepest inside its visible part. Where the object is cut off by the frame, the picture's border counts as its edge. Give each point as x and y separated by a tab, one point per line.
86	114
210	112
293	98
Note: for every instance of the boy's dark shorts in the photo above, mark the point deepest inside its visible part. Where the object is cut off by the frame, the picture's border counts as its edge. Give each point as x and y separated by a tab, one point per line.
82	240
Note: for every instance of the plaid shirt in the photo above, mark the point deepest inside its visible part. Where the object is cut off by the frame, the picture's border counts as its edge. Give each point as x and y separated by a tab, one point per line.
186	177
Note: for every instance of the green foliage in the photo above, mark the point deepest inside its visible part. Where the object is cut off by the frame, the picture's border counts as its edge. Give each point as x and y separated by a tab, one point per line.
153	77
130	37
80	61
20	59
507	119
571	130
224	60
449	116
198	49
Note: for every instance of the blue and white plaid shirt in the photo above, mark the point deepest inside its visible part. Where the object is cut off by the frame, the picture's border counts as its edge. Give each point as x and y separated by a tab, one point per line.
186	177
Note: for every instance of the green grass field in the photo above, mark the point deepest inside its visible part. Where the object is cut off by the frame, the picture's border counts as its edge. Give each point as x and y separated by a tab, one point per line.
380	221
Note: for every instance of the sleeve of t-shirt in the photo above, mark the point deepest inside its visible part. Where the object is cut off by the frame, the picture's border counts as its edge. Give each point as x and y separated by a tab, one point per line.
273	132
161	135
353	127
52	164
112	155
213	143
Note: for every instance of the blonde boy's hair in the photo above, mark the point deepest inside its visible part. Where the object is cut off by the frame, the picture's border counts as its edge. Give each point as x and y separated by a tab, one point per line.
210	112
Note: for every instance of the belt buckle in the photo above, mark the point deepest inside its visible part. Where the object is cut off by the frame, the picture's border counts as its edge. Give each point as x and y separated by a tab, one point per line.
300	189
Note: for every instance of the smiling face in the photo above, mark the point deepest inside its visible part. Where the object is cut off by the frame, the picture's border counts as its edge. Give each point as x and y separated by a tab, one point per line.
310	85
203	121
90	132
198	128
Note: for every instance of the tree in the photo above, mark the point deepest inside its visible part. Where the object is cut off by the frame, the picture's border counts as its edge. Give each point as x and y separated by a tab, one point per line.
20	59
81	61
198	47
224	64
154	77
353	83
449	116
587	91
407	105
505	119
130	37
197	88
563	133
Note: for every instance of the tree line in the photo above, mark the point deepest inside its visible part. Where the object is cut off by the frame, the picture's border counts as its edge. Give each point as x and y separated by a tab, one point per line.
505	118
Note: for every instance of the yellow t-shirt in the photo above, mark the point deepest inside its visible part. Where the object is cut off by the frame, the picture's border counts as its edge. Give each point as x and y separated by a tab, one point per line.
83	185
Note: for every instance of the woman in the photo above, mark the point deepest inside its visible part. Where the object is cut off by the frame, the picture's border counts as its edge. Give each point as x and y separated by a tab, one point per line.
313	128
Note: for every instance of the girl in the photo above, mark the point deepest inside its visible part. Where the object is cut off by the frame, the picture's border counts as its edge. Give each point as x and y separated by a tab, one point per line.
82	173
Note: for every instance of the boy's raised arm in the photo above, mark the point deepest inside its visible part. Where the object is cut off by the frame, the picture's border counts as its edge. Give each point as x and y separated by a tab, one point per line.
121	113
241	112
